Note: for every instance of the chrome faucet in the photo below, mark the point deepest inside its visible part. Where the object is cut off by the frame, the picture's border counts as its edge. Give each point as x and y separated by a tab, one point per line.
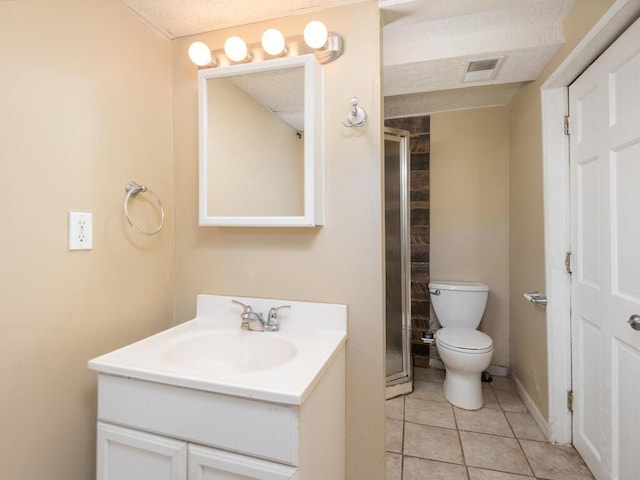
255	321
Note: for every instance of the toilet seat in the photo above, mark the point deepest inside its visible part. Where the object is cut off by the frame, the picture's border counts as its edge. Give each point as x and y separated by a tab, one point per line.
464	340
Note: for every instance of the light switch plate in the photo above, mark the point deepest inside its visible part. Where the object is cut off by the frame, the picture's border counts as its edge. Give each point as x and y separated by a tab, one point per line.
80	231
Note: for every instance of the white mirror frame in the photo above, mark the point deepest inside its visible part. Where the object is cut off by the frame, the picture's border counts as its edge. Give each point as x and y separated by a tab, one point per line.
313	146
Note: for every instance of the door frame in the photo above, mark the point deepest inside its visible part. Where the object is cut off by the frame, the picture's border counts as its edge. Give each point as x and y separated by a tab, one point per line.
557	219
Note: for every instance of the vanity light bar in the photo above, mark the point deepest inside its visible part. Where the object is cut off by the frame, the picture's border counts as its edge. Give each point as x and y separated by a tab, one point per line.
327	46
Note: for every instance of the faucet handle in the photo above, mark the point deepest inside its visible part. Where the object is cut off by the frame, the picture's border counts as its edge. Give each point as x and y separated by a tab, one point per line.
244	316
273	314
247	308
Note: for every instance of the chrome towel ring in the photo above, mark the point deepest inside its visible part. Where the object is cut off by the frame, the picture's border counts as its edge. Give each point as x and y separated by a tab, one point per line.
133	189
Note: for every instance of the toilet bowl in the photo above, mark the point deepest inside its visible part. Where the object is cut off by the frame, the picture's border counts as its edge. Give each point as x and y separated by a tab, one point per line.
465	351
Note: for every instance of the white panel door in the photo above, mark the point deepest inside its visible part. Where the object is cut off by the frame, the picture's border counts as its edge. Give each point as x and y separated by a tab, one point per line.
211	464
126	454
605	211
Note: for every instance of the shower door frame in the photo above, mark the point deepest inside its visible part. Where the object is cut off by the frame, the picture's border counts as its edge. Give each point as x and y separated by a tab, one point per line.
401	382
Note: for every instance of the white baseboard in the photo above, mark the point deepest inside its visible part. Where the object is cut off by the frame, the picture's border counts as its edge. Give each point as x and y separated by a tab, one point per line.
498	370
532	407
495	370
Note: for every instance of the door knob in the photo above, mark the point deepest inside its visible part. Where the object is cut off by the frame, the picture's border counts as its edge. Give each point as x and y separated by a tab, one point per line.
634	321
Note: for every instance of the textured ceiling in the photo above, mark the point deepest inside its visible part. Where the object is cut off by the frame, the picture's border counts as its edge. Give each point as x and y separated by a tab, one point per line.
427	49
178	18
426	43
445	100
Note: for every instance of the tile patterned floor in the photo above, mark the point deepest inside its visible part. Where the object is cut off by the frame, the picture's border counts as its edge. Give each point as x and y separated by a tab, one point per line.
429	439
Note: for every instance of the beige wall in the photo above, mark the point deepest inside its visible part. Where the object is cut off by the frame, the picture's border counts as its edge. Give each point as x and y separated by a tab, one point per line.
526	247
526	224
86	106
469	181
526	233
340	262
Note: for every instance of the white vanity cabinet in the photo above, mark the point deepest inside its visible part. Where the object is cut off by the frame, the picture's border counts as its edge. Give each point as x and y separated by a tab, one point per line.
178	406
154	431
124	453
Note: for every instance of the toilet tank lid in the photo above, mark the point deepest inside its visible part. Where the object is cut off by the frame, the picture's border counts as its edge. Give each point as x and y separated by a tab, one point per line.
460	286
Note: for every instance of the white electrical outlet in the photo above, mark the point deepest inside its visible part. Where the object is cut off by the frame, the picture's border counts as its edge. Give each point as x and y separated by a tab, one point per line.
80	231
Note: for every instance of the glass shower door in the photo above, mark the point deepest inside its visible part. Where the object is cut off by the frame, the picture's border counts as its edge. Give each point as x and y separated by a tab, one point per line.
397	262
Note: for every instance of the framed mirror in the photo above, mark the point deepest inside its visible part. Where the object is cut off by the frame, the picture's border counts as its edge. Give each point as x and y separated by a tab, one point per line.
261	144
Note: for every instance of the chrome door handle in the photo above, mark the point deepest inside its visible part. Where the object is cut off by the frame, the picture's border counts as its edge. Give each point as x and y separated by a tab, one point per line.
634	321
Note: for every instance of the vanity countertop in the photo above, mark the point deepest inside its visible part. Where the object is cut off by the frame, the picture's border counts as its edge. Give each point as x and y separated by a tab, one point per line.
201	353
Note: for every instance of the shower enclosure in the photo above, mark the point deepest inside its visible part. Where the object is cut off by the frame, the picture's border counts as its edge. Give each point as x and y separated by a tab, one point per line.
397	262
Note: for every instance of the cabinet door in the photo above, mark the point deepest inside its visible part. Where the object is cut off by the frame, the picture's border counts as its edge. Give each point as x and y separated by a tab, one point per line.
125	454
210	464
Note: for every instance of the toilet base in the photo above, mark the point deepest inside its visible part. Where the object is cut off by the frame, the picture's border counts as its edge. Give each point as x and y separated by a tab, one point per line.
463	390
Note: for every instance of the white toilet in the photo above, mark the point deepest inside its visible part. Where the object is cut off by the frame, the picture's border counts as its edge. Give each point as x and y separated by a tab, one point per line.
465	351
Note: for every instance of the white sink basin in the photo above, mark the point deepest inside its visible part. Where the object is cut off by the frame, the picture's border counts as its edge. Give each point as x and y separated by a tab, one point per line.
232	351
212	353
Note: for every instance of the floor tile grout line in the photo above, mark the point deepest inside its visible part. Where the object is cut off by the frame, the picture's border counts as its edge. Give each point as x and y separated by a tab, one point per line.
434	460
464	458
514	435
430	425
526	458
509	423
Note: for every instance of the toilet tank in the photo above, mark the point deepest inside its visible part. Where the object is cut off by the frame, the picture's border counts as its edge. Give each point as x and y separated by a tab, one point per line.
458	304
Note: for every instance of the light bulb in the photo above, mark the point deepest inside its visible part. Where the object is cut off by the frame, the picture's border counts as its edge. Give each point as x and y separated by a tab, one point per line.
200	54
273	42
236	49
315	34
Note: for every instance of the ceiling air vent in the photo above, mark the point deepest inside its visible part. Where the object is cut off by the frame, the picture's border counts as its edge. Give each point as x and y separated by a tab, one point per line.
481	70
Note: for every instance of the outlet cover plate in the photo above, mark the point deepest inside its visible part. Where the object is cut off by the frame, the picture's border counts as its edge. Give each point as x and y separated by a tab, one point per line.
80	231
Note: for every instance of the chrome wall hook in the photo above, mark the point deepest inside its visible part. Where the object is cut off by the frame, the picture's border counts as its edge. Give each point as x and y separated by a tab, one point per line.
357	115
